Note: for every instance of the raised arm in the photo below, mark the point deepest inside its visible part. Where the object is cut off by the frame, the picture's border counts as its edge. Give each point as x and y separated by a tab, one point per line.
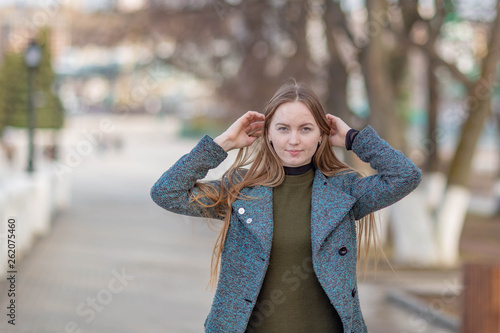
176	187
173	190
396	174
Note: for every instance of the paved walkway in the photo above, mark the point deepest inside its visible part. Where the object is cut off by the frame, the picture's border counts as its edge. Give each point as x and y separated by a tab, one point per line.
115	262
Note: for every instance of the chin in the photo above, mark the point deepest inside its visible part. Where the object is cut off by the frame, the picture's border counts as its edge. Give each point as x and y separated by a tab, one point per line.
294	164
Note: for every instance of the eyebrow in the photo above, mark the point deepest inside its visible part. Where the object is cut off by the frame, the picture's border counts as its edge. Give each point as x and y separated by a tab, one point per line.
283	124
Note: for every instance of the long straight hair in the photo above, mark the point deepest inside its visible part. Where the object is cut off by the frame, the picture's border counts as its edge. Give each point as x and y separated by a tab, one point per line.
266	169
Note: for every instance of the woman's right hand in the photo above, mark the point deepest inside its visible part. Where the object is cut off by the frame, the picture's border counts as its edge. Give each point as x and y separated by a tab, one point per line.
243	132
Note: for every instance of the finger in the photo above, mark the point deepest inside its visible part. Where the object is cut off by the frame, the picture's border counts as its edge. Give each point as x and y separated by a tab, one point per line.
333	119
251	117
333	123
256	133
252	139
255	115
329	117
253	127
330	122
258	124
333	129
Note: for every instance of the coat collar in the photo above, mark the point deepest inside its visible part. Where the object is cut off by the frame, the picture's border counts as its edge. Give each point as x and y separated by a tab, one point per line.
329	205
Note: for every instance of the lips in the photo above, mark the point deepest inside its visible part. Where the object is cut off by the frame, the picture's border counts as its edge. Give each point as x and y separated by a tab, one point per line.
294	152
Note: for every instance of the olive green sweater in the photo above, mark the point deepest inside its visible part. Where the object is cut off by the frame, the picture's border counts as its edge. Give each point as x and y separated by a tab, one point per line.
291	299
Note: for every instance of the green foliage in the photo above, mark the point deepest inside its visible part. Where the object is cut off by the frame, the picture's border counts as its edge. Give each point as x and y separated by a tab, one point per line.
198	126
14	90
451	11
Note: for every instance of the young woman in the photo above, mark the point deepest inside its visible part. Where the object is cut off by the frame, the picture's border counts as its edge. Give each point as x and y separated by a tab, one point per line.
287	247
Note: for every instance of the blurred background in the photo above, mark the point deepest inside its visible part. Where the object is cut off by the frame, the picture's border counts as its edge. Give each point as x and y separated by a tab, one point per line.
99	98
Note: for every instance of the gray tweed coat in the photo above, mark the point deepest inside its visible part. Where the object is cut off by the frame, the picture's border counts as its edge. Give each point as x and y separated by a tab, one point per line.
336	203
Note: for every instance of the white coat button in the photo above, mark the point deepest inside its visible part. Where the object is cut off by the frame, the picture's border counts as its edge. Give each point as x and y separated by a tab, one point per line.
241	210
249	220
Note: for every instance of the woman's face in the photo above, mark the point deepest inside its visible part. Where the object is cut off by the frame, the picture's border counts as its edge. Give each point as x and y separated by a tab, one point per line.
294	133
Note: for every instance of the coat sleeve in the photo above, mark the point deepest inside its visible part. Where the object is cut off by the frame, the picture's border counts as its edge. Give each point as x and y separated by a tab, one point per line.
396	174
175	188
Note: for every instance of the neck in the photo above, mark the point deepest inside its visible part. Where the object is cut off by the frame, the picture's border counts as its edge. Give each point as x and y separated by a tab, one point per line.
298	170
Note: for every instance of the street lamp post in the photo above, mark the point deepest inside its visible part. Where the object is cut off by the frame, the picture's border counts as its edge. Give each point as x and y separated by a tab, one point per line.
32	58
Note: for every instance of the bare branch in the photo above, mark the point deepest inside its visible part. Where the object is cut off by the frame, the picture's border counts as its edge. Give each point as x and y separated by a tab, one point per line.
409	11
429	50
457	74
435	24
336	17
490	62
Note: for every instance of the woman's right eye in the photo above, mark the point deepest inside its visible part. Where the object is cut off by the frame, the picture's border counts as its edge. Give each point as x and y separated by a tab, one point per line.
281	128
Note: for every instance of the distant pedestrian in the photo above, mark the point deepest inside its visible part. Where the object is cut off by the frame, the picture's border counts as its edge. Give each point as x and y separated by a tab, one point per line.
287	248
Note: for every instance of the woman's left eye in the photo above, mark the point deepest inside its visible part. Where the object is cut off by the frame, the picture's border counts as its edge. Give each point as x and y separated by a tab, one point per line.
306	129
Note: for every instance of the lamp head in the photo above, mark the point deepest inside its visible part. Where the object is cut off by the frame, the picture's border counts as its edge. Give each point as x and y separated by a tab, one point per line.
33	55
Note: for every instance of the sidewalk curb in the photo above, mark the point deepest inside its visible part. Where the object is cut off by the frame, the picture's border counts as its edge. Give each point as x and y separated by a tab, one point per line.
422	309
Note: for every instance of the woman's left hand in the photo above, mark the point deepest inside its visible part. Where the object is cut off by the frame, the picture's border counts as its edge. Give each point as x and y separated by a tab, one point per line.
338	131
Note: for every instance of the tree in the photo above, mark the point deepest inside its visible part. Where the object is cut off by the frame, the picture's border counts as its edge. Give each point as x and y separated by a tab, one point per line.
427	225
247	50
436	226
14	100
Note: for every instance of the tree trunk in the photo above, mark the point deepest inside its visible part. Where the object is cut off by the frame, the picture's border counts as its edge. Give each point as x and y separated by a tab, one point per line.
413	230
432	163
478	107
336	101
294	20
374	63
450	216
264	67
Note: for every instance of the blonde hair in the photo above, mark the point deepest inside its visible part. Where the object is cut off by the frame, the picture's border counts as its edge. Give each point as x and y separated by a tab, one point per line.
266	170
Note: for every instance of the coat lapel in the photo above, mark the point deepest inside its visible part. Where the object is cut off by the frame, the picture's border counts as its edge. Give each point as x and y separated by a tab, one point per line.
329	205
257	214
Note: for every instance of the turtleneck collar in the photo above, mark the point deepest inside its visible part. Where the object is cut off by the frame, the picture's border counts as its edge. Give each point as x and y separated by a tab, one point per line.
294	171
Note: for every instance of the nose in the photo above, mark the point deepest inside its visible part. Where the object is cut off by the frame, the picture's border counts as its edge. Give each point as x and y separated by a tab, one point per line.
294	138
